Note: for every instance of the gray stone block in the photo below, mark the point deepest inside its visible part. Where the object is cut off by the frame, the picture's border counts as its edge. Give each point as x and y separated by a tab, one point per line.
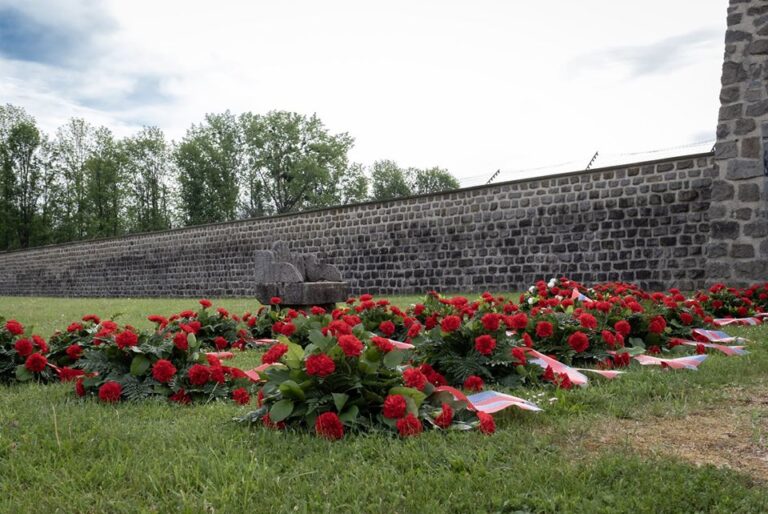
741	169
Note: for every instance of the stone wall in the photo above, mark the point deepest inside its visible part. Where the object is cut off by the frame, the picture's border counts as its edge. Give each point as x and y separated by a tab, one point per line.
738	251
645	223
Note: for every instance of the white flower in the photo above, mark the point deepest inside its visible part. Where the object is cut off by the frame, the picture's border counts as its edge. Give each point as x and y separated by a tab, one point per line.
552	283
531	301
532	289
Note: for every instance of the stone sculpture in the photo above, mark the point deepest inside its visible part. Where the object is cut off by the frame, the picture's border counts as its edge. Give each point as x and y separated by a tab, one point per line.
300	281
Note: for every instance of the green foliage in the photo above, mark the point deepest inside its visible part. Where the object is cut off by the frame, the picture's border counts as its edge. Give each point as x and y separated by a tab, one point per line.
390	181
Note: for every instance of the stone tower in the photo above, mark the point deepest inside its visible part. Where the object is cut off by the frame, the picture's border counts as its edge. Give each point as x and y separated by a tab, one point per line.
738	248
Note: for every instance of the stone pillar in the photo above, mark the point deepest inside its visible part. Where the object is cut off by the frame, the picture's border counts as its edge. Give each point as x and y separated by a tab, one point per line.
738	249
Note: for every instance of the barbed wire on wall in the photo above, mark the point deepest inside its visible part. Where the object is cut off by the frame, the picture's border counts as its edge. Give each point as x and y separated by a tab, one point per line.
599	159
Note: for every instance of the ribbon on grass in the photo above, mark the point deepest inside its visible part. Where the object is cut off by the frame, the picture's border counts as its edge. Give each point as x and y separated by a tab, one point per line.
715	336
727	350
253	374
691	362
544	361
223	355
722	322
490	401
576	295
400	345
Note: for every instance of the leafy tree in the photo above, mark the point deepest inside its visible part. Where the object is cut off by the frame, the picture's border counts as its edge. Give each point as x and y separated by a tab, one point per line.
391	181
432	180
208	159
73	147
295	161
146	163
388	181
104	186
354	184
22	145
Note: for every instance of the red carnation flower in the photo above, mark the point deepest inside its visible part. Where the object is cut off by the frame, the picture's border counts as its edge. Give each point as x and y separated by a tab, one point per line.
621	359
317	311
433	377
92	317
23	347
490	321
275	300
74	351
544	329
329	426
241	396
563	381
110	392
414	329
181	397
588	321
474	383
609	338
701	349
274	354
180	341
623	327
350	345
320	365
217	374
519	354
517	322
445	418
487	424
126	338
205	303
40	343
74	327
450	323
220	343
394	406
199	375
657	325
383	344
387	328
415	378
409	426
163	371
36	363
14	327
79	388
366	297
578	341
485	344
685	318
160	320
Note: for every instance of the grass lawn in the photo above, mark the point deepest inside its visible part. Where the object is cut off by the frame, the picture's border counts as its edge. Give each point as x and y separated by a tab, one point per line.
649	441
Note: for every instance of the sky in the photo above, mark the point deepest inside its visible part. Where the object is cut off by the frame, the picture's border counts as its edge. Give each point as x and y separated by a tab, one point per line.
527	88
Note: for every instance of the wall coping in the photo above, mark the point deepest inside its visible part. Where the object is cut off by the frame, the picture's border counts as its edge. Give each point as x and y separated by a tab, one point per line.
367	203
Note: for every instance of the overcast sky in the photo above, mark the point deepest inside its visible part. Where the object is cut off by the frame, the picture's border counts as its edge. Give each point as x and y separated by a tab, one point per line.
472	86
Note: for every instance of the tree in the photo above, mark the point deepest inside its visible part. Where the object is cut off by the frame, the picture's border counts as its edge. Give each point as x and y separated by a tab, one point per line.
432	180
22	145
391	181
104	186
388	181
146	161
354	184
73	147
208	159
294	161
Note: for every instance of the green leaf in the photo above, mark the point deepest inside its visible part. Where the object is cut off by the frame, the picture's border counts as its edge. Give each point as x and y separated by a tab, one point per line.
291	389
139	365
280	410
23	374
294	355
416	395
349	416
193	343
393	359
340	399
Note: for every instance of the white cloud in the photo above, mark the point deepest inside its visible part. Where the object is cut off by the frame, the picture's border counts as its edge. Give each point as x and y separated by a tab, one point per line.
471	86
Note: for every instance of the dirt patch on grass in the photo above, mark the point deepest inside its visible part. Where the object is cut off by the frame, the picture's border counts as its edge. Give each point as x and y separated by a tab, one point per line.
731	434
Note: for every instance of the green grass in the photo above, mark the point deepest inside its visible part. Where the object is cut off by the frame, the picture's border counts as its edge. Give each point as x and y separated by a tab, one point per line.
58	453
